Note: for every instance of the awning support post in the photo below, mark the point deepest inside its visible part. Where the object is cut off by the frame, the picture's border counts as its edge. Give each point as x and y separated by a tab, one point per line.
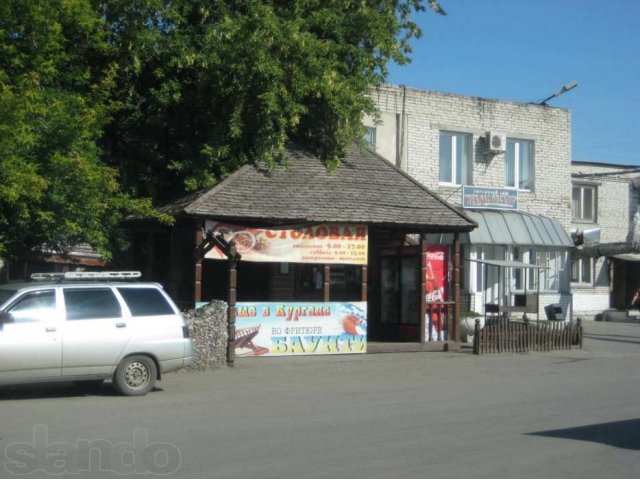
233	291
364	283
423	283
456	291
326	283
197	285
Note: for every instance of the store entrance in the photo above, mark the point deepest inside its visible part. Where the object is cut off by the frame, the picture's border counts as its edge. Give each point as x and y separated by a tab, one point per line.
400	289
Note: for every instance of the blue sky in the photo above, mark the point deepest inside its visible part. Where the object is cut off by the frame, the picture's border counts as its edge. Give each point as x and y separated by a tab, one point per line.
525	50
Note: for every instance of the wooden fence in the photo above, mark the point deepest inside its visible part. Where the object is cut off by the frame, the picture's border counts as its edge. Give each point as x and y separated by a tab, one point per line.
505	336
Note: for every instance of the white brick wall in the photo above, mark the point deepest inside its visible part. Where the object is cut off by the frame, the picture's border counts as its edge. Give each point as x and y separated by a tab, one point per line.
589	303
617	201
427	113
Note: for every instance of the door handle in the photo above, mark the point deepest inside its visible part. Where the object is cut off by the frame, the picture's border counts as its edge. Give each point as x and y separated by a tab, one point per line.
50	329
121	325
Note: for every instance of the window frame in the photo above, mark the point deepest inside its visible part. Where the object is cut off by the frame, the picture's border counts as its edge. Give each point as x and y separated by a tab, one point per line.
581	261
468	138
370	134
516	164
31	293
594	203
84	288
123	293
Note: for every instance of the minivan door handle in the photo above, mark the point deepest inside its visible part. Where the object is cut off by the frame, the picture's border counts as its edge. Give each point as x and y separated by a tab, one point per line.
121	325
50	329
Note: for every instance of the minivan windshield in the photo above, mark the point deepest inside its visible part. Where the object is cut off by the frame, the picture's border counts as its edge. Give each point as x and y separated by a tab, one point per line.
6	294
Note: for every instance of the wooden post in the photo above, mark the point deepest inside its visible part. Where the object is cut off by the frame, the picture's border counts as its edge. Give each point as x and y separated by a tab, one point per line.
197	286
423	294
476	337
148	261
364	283
326	283
231	316
579	322
456	293
174	264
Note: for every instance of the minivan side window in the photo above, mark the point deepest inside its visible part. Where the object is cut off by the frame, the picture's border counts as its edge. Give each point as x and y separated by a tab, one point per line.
34	307
146	301
91	304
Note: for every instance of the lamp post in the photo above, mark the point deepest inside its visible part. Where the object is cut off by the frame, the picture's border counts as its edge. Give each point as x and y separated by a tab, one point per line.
564	89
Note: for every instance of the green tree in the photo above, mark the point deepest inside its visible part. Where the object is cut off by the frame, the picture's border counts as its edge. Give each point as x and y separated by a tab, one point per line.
55	81
205	86
107	101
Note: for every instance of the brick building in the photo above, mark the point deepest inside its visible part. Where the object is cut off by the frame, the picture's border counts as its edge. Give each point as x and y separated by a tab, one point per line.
604	271
443	141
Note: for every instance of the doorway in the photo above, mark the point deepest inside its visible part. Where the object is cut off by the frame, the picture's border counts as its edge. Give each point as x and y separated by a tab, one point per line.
400	301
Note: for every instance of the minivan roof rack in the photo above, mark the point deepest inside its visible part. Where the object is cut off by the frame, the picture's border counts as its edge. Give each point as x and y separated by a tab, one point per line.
124	275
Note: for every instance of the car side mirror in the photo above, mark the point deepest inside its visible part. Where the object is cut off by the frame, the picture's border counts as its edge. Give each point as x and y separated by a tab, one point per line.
6	317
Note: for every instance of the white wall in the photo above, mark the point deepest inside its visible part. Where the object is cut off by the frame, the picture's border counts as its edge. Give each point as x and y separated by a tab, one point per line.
427	113
617	201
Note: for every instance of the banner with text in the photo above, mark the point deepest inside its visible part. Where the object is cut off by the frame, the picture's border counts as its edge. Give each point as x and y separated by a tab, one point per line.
324	243
436	269
491	198
300	328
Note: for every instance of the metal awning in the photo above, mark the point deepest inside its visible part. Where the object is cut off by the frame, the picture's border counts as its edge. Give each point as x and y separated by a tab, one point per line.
508	264
517	228
628	257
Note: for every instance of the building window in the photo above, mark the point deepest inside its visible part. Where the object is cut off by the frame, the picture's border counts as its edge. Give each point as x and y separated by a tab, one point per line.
455	158
583	203
582	270
370	137
553	278
521	275
518	164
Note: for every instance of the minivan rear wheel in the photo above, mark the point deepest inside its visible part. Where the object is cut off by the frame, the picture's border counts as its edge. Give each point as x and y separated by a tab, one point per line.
136	375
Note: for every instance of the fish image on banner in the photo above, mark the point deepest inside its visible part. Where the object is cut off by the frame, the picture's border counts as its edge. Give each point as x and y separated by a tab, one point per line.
300	328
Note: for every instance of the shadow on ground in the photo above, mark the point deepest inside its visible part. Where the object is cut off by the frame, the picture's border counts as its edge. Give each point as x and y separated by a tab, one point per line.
613	338
58	390
623	434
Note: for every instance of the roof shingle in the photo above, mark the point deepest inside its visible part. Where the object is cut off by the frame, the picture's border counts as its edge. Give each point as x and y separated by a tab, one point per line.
365	188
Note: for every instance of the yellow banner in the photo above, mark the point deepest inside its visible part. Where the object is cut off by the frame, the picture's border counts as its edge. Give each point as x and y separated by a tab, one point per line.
323	243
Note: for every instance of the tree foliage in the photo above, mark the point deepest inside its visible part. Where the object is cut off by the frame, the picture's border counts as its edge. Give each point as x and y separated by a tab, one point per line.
106	102
209	85
55	82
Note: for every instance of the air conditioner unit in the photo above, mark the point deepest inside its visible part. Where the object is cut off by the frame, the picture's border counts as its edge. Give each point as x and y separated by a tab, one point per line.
495	142
590	236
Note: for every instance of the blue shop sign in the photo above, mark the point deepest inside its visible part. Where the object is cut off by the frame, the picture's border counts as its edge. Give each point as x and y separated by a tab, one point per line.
483	197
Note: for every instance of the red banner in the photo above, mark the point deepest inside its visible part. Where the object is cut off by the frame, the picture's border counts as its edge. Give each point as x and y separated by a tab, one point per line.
436	269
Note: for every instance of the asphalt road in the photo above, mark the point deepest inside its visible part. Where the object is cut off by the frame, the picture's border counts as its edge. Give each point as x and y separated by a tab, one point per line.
556	414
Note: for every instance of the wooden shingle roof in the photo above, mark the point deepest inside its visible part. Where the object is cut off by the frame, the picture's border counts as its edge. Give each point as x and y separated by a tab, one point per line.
365	188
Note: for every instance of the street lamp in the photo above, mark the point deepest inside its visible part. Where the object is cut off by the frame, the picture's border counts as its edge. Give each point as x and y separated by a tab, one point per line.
566	88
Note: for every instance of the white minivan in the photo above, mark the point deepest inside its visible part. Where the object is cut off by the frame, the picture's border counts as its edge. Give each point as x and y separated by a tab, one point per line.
89	327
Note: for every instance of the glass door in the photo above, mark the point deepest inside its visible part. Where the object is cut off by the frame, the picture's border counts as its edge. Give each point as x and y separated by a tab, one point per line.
410	290
400	297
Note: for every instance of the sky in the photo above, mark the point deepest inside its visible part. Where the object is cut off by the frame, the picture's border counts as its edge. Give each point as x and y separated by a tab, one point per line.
526	50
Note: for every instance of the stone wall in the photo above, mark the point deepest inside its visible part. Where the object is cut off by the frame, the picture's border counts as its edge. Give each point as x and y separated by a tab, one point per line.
208	329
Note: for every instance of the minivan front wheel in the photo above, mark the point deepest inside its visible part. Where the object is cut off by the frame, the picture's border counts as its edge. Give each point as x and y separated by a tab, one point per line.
136	375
